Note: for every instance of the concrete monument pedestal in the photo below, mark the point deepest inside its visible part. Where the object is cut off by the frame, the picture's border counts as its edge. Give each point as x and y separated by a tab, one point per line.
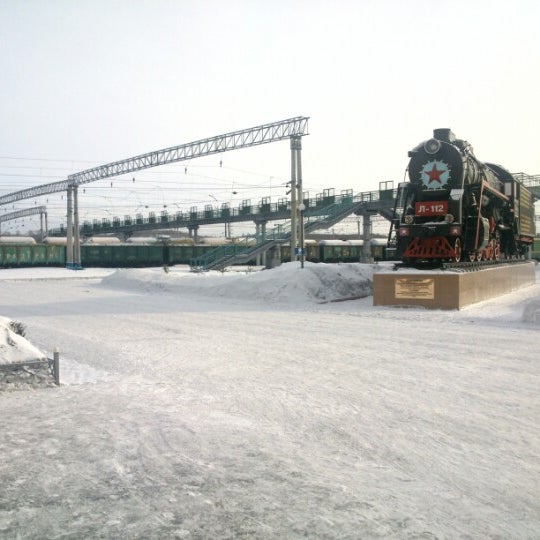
450	289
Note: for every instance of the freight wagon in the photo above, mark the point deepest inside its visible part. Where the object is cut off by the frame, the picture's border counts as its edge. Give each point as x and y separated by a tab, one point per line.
136	254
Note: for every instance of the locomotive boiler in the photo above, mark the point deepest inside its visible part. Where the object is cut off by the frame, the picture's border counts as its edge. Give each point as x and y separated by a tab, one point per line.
455	207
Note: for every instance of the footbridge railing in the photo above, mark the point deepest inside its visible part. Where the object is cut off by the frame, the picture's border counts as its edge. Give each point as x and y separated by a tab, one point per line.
264	211
530	181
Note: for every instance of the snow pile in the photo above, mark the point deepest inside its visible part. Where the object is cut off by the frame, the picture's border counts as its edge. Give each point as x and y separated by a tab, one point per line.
286	283
14	348
21	364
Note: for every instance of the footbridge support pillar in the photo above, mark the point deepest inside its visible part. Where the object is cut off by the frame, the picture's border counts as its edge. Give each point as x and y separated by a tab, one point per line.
366	257
260	235
193	232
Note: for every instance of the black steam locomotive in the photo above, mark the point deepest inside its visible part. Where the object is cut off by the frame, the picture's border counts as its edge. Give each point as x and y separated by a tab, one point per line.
457	208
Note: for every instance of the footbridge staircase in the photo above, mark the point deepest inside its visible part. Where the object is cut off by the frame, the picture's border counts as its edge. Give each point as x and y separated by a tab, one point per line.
314	219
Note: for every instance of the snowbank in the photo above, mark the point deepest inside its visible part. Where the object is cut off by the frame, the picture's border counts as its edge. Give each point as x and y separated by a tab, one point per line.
286	283
14	348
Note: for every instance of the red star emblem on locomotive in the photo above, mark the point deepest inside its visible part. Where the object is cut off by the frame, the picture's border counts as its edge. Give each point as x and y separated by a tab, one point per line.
435	174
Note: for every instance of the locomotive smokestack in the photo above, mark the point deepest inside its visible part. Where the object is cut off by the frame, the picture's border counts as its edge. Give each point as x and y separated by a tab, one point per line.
444	134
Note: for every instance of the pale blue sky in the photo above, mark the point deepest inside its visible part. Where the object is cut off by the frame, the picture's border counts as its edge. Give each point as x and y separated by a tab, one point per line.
89	82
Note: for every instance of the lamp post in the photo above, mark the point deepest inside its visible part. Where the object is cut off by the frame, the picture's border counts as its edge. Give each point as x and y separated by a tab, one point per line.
302	208
165	240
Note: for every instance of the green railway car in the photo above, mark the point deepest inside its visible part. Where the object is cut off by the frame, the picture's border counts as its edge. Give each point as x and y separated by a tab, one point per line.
121	255
19	255
9	255
53	255
340	250
158	254
535	253
181	254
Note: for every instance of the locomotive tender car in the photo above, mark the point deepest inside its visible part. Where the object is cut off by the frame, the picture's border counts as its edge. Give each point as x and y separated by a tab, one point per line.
458	208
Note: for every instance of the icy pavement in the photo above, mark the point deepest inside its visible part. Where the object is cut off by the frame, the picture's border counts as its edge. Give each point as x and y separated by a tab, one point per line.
254	406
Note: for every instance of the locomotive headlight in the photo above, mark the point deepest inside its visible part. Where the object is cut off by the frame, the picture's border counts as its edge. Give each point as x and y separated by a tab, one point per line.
404	231
432	146
449	218
408	219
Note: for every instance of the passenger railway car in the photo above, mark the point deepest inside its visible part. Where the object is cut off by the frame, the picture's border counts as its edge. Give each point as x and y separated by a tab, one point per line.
456	207
335	251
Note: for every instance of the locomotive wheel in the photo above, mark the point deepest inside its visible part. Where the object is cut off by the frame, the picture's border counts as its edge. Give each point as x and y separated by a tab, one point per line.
457	250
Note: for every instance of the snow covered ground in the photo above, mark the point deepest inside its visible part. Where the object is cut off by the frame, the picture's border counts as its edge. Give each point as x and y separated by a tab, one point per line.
251	405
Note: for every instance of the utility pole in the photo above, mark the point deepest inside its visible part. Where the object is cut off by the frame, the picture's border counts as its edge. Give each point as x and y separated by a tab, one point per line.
76	238
69	231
